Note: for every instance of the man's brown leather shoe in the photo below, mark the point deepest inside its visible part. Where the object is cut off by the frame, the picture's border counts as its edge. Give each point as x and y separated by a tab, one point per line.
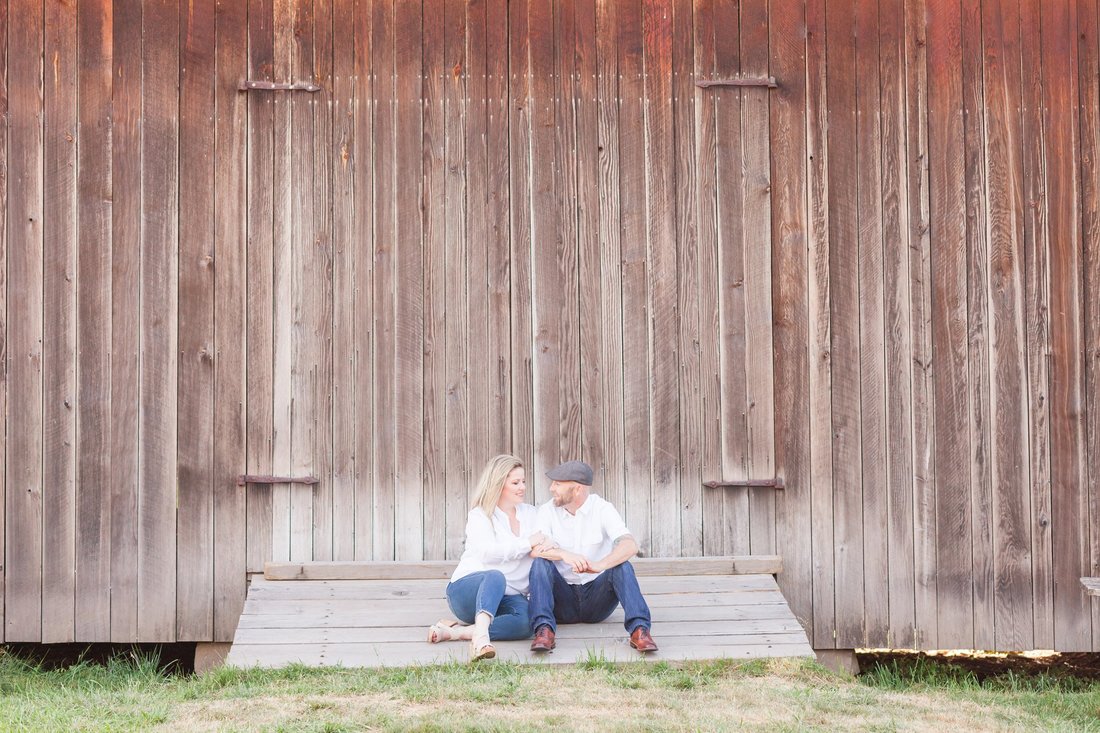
642	641
544	639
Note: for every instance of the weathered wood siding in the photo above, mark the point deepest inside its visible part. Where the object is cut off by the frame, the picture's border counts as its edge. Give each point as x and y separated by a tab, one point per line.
520	226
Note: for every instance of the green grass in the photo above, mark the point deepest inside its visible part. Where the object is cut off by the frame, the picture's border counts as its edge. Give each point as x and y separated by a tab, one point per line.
130	693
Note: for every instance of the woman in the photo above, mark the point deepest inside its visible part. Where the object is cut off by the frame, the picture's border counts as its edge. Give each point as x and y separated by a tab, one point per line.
489	585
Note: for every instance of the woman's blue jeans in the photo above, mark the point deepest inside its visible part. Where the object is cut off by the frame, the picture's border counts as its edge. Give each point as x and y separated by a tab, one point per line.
486	591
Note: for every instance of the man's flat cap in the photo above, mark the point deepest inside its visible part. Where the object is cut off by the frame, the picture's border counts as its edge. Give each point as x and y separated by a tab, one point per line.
578	471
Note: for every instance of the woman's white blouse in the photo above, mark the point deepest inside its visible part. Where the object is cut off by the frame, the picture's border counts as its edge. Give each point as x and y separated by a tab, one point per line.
490	545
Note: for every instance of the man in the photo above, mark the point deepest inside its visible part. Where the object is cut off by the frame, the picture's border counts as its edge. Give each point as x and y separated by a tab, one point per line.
581	574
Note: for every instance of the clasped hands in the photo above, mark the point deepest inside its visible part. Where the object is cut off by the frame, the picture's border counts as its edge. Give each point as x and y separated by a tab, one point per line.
541	545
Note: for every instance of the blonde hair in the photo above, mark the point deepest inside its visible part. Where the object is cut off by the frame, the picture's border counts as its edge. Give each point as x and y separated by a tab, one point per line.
491	484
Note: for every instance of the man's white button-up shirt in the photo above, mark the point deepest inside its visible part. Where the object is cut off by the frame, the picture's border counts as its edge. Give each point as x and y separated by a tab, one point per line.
591	532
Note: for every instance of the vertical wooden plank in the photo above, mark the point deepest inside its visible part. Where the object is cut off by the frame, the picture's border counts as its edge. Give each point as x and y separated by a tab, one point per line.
320	269
282	277
520	215
496	91
920	293
756	187
385	189
477	234
4	239
844	302
345	249
458	458
1089	70
663	311
593	381
59	328
306	424
545	243
637	501
1069	506
977	279
259	375
409	310
1010	460
898	359
564	167
715	536
125	316
819	327
94	477
733	374
433	221
790	278
871	323
363	155
23	480
159	324
691	425
950	326
610	254
230	318
195	580
1037	304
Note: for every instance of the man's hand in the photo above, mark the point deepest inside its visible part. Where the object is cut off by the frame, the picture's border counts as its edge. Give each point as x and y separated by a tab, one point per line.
579	563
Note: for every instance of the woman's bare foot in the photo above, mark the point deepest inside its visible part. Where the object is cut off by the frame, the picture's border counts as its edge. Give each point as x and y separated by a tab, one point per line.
445	629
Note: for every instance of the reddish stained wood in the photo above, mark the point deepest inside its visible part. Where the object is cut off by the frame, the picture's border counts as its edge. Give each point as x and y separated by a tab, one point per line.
194	525
637	501
730	261
385	189
520	218
4	137
1010	460
1037	304
259	260
94	297
230	324
715	537
790	298
690	423
159	326
125	317
498	247
898	359
1069	505
23	366
844	303
977	279
433	219
871	324
59	334
663	303
610	254
920	294
409	303
461	467
950	327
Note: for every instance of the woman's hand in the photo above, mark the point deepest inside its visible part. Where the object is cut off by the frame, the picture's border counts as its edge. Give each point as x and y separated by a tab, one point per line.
538	539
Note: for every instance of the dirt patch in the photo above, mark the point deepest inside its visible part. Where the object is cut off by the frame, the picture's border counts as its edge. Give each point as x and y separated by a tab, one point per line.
985	665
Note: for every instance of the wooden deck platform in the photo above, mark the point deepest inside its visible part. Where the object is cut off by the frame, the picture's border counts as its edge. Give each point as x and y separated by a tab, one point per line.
382	622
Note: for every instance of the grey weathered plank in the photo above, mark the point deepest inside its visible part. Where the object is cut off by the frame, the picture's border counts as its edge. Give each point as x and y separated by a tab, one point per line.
1092	586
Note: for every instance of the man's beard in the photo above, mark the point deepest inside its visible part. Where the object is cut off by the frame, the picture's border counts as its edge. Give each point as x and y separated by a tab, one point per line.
564	498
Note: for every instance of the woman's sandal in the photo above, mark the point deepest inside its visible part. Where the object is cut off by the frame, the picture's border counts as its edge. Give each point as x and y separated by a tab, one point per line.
481	648
441	631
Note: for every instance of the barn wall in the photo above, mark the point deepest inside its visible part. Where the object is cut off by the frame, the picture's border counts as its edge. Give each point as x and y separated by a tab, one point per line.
521	226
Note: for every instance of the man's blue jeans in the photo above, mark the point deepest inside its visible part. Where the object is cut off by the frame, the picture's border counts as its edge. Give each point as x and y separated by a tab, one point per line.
555	601
485	591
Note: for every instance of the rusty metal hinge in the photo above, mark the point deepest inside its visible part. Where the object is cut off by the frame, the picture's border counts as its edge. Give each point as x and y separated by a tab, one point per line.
744	81
774	483
253	479
275	86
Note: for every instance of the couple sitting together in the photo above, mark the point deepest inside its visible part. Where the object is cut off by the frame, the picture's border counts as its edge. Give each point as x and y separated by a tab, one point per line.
569	557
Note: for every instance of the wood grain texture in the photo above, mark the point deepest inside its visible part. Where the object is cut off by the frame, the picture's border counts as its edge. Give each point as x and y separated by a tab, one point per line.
94	299
23	364
4	239
59	335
